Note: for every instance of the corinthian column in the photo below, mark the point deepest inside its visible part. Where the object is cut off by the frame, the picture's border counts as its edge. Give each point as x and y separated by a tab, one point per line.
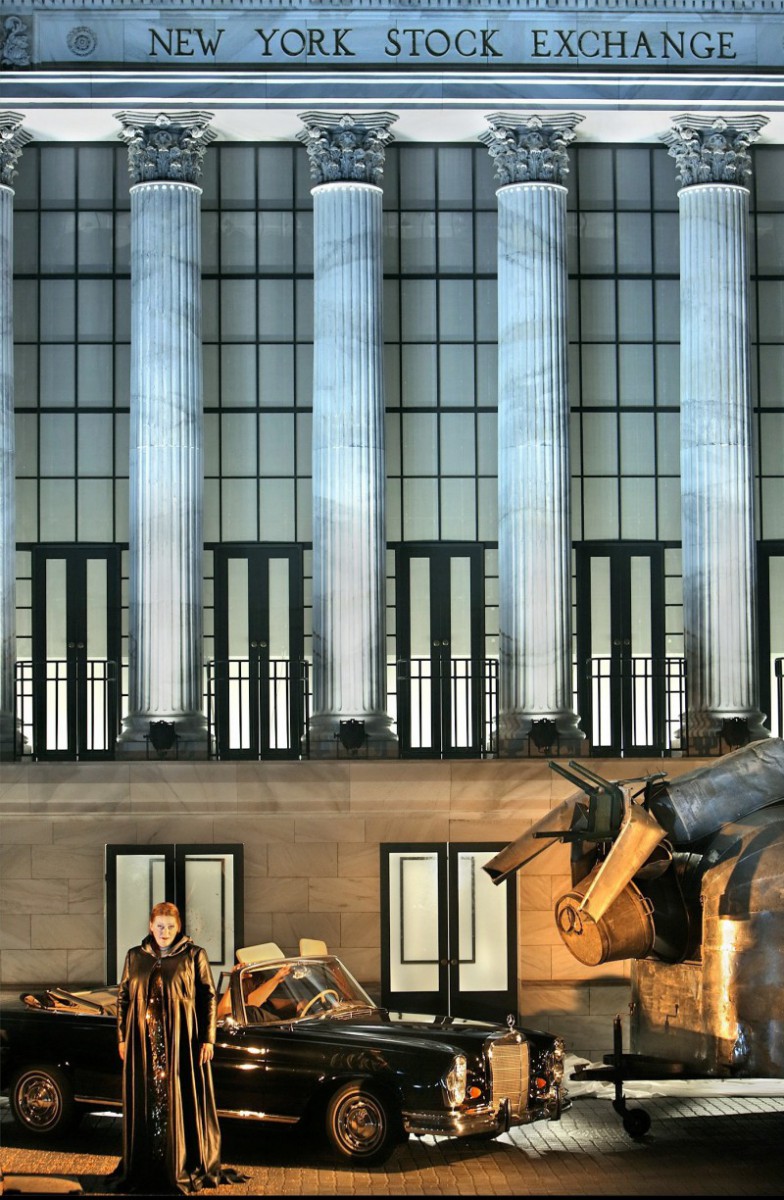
717	484
349	541
165	154
534	535
12	141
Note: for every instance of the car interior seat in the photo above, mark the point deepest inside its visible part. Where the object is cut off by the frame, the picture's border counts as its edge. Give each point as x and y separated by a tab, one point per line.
312	946
260	952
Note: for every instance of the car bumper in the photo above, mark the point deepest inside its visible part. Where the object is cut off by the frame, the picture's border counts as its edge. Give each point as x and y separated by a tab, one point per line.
484	1119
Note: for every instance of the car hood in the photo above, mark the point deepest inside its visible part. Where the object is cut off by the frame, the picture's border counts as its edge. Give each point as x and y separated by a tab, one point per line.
395	1031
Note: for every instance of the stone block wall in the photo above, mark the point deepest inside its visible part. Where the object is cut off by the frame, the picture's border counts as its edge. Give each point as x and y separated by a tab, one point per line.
311	832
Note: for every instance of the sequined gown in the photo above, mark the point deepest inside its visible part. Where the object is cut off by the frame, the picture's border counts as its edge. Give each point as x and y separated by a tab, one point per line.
166	1009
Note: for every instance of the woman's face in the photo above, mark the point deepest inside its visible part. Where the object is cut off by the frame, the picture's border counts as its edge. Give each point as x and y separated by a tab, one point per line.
164	930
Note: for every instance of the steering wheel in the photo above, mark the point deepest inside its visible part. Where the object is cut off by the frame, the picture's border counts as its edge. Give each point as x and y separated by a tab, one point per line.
321	996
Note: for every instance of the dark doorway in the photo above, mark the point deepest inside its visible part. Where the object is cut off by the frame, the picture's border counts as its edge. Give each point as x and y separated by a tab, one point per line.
449	933
258	684
72	683
440	677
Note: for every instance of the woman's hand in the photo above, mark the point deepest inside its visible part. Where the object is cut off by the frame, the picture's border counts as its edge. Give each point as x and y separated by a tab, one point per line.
121	1050
206	1052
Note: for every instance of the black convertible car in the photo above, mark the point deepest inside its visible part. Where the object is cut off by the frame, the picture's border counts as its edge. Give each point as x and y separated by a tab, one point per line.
298	1039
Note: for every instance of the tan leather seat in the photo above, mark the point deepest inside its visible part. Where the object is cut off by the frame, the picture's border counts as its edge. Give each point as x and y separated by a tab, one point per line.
262	952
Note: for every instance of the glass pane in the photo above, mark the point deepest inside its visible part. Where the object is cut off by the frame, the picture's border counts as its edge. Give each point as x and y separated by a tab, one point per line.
600	507
238	310
455	242
638	509
238	176
238	376
482	931
597	310
458	452
600	443
55	608
638	455
632	178
420	510
458	510
276	510
635	320
58	307
413	922
454	177
276	309
279	635
456	309
238	637
417	177
57	444
95	376
419	444
95	443
418	310
417	242
238	241
139	886
276	375
460	606
58	176
209	904
96	176
457	376
96	241
239	510
276	241
419	607
275	176
238	444
634	242
95	510
419	376
58	241
597	242
594	172
276	444
97	608
635	365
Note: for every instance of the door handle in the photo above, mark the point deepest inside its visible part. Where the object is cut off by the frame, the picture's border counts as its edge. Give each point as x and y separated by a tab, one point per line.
436	643
80	645
616	641
263	645
253	645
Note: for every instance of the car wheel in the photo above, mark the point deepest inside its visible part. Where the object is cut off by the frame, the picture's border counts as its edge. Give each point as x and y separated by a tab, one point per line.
362	1126
42	1101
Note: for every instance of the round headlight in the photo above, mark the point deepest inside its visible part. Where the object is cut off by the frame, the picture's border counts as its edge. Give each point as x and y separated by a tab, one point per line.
455	1081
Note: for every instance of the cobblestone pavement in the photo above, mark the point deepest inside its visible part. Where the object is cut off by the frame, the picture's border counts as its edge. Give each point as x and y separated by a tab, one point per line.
696	1146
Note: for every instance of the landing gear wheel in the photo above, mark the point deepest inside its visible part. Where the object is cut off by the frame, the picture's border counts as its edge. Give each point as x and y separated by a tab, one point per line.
636	1122
42	1101
361	1126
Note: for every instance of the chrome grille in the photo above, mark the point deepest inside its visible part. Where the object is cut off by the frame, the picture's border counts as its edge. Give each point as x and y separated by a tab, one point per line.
509	1063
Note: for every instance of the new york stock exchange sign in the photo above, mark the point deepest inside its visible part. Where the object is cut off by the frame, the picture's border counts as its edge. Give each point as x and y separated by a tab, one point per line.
360	39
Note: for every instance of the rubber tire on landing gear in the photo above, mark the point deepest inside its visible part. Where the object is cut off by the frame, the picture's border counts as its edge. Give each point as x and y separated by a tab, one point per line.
636	1122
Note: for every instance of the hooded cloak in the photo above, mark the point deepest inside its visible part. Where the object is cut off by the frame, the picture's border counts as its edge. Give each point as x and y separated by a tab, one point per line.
178	1119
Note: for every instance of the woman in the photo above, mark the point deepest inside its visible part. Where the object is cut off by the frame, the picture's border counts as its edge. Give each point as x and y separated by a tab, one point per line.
166	1032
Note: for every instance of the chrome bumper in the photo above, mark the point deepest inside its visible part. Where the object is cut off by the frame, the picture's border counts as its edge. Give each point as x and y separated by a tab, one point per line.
460	1123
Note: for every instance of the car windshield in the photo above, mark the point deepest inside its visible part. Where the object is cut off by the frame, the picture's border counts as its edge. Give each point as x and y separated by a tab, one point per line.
299	988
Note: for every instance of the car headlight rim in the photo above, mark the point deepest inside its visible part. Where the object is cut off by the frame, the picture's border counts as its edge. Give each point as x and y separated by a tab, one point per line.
455	1081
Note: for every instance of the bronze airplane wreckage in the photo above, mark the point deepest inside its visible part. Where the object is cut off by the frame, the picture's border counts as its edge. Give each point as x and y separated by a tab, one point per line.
686	877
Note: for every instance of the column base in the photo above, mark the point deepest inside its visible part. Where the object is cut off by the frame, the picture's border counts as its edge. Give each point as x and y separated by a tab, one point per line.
146	735
523	735
12	739
712	731
367	735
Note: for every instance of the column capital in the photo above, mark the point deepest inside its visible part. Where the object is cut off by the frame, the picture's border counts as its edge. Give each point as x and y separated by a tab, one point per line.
713	149
166	145
13	140
530	147
344	147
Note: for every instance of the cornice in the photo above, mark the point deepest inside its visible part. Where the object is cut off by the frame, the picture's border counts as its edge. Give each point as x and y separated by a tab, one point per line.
648	7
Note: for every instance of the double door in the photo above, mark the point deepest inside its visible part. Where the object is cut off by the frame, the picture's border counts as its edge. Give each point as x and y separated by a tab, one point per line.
630	693
258	687
449	934
69	693
440	672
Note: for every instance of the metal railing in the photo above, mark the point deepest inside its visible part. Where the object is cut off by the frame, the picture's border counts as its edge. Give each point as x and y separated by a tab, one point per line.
258	713
66	709
636	704
448	712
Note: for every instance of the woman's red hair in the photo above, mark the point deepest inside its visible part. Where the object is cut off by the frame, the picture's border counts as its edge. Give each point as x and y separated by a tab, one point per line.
165	909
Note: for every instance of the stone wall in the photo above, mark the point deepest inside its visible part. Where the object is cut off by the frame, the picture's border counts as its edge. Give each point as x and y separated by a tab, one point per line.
311	833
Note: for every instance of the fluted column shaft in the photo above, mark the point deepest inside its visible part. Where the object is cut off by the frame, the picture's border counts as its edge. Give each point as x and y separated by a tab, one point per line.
166	469
7	478
717	485
534	540
349	543
13	139
534	529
